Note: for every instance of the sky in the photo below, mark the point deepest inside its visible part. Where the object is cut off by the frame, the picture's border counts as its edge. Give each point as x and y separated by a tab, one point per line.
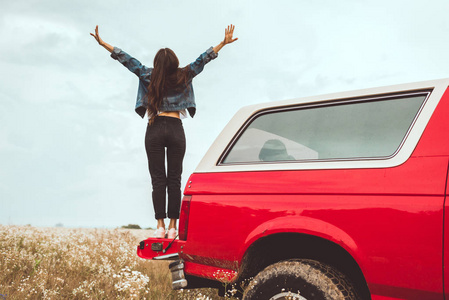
72	147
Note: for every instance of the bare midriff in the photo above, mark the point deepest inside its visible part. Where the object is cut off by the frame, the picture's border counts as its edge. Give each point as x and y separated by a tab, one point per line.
173	114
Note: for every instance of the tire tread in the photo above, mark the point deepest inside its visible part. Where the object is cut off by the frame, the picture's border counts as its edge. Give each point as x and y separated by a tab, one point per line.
330	282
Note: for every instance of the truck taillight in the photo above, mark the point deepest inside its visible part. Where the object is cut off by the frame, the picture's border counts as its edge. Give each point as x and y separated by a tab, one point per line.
184	218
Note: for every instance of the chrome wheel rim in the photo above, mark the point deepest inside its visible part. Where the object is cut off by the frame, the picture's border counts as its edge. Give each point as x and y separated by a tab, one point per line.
287	296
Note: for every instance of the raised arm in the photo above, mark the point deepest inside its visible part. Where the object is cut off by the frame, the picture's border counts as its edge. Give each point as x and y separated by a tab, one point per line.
227	39
124	58
100	41
198	65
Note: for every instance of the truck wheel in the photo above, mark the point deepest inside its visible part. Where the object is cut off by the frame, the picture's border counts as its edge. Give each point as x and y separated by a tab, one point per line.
300	280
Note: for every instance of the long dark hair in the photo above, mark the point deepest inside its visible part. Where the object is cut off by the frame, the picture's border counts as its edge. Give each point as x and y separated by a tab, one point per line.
166	78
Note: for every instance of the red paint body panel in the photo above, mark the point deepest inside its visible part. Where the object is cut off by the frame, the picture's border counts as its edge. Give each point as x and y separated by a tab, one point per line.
387	231
210	272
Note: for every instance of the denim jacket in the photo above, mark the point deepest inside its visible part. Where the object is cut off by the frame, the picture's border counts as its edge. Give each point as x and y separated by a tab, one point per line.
177	102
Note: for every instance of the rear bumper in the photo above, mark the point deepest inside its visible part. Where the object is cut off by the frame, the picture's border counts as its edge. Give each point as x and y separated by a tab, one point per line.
159	249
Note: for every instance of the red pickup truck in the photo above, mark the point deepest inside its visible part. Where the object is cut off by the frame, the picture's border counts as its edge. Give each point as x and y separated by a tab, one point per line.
339	196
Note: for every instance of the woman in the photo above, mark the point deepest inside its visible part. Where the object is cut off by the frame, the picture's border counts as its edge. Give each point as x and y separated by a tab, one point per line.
165	93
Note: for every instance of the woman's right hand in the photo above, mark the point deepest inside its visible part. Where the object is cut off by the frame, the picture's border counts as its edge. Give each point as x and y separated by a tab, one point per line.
97	36
100	41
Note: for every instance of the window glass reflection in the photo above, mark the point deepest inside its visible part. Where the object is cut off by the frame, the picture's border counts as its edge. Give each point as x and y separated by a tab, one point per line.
365	129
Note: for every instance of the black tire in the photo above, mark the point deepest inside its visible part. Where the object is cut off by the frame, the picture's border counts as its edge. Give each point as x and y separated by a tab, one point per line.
299	280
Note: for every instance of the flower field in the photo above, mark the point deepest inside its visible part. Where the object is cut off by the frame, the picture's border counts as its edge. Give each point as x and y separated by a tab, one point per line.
63	263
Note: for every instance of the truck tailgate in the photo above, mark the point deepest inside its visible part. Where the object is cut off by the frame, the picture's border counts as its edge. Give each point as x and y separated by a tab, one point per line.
158	249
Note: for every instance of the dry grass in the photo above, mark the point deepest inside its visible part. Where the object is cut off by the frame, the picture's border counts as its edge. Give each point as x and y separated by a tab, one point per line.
62	263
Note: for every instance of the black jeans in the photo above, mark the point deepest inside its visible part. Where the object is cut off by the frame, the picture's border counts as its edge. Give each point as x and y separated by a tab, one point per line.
166	132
